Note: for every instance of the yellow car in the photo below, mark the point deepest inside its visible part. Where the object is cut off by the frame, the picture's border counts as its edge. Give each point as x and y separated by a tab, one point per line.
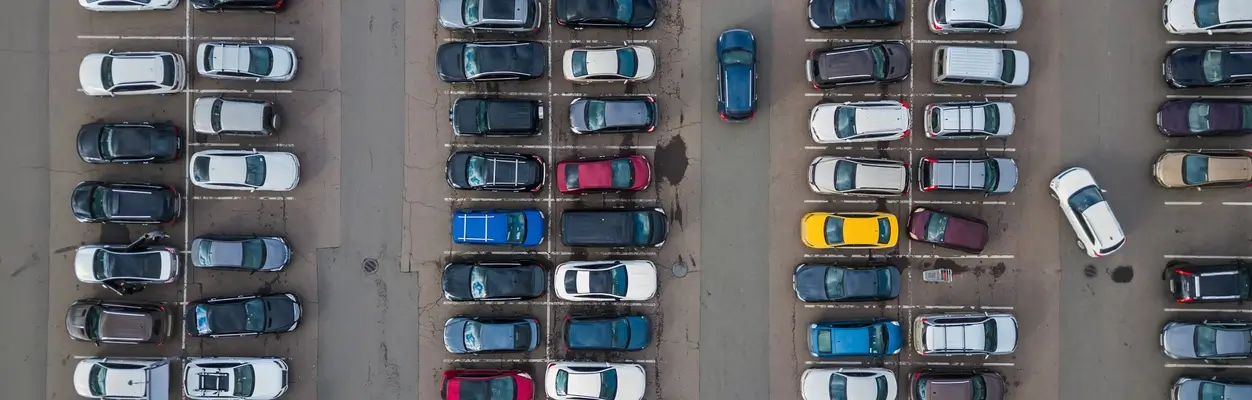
860	230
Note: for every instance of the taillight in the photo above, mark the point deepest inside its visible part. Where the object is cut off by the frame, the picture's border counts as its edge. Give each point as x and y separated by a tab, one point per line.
928	160
937	27
905	134
722	114
279	4
1183	273
916	376
929	188
905	104
651	128
815	86
1186	299
651	99
560	22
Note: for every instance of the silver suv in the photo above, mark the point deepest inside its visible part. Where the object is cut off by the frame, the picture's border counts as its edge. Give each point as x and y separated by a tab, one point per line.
982	334
969	120
234	116
858	176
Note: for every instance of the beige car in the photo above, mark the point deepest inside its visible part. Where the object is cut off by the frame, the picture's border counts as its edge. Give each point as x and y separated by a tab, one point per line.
1183	169
616	64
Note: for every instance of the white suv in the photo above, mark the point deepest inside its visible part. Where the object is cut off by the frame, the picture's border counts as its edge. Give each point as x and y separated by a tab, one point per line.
856	176
971	334
140	72
1082	202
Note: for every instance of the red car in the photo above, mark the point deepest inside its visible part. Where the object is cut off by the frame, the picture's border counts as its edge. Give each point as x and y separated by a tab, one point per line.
474	384
627	173
948	230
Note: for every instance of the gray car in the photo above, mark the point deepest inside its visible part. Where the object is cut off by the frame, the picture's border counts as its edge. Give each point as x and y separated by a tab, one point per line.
1207	340
246	61
244	253
975	16
1193	388
469	335
989	175
509	16
633	114
235	116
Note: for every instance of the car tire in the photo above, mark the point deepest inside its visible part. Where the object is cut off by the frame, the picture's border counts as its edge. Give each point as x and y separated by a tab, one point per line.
1081	245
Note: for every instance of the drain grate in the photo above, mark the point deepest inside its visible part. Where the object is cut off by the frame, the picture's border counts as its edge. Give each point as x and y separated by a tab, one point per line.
679	269
1090	271
370	265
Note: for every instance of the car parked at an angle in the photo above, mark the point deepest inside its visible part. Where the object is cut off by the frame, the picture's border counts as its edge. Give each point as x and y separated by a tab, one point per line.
246	61
496	172
1083	204
736	75
877	337
958	385
240	253
969	120
623	280
858	64
1210	388
465	384
122	378
975	16
1207	340
474	335
849	230
1205	117
494	281
129	143
1217	283
855	176
848	383
235	378
614	227
980	66
609	64
479	16
127	5
948	230
1207	16
496	117
1208	66
607	333
248	315
1203	169
630	173
965	334
594	381
523	228
617	114
860	121
132	72
987	175
118	322
235	116
631	14
249	170
214	6
846	282
459	62
847	14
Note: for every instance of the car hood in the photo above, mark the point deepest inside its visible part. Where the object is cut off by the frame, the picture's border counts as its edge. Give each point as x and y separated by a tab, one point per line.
898	60
629	374
283	315
271	379
1178	340
282	171
1168	169
810	283
458	172
456	279
89	141
1013	13
449	59
578	115
284	61
80	202
1180	15
1184	66
1173	116
1022	68
90	76
454	335
277	254
736	38
451	14
644	282
465	115
644	13
1008	175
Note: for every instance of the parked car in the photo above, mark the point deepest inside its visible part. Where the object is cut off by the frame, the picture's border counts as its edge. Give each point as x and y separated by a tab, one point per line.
492	281
1207	340
736	75
496	172
614	333
1201	169
859	282
1195	388
132	72
240	253
474	335
248	315
975	16
129	143
987	175
610	64
622	227
625	114
214	6
623	280
970	120
502	117
980	66
235	116
948	230
1084	206
965	334
1205	117
848	383
249	170
99	263
242	378
1208	66
125	203
594	381
122	378
118	322
127	5
1229	282
858	64
459	62
856	176
845	14
630	173
579	14
465	384
480	16
855	338
959	385
246	61
498	227
1207	16
860	121
859	230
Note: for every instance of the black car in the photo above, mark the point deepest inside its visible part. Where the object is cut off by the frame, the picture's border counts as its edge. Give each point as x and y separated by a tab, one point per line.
497	172
1208	66
1205	117
578	14
844	14
125	143
490	61
824	282
623	114
858	64
480	116
243	315
238	5
635	227
479	281
125	203
1209	283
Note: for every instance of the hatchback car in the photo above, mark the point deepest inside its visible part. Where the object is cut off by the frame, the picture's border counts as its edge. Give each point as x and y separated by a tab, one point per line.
860	121
240	253
1213	388
214	6
498	117
458	62
478	384
118	322
614	227
1202	169
246	61
631	114
1230	282
1207	340
128	5
861	230
235	116
959	385
506	16
845	14
975	16
104	263
615	333
1208	16
948	230
1205	117
243	315
969	120
630	173
620	64
129	143
494	281
474	335
848	384
496	172
235	378
594	381
986	175
1083	204
855	338
245	170
122	378
1208	66
632	14
624	280
858	64
983	334
858	176
523	228
861	282
135	72
125	203
736	75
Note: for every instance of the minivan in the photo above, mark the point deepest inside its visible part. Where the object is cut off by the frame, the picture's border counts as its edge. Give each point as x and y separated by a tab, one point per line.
634	227
983	66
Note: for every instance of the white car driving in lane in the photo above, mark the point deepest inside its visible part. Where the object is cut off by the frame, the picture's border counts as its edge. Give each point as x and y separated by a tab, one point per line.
245	170
1083	203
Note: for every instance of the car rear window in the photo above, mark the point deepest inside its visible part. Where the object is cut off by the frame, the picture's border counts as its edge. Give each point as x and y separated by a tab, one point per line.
879	56
989	332
845	122
608	384
845	175
824	342
469	11
1246	113
470	61
834	230
878	339
881	383
516	228
935	227
842	11
99	202
245	381
571	176
1195	169
253	253
578	63
838	387
979	387
562	383
936	119
941	12
995	10
627	62
167	76
476	171
595	115
1084	198
1198	116
834	283
106	72
623	173
643	228
884	231
96	380
993	174
1212	391
1205	341
215	115
1212	66
255	167
260	60
1206	14
625	10
621	333
1008	61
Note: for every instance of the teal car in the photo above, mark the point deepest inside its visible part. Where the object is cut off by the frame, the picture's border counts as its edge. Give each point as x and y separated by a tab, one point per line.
855	338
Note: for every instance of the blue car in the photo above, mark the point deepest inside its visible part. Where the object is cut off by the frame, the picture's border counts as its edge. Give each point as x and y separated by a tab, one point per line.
857	338
469	335
624	333
498	227
736	75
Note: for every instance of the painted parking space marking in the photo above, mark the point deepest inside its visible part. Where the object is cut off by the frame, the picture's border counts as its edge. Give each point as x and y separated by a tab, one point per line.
547	200
544	146
909	363
547	303
1209	310
248	145
925	202
1209	366
1196	96
1183	203
905	307
533	360
898	95
937	149
1207	257
264	198
909	41
546	253
197	38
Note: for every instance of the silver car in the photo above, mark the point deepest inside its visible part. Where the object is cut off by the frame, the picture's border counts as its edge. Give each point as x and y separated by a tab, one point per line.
975	16
508	16
127	5
246	61
246	253
617	64
970	334
858	176
231	116
969	120
245	170
106	263
860	121
1207	340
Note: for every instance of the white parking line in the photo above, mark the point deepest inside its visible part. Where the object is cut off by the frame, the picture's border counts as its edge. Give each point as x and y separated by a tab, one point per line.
1183	203
493	94
545	200
922	41
279	91
1209	310
988	149
543	146
573	41
905	307
546	303
909	363
1206	257
188	187
1203	42
1195	96
546	253
228	38
267	198
949	149
249	145
1209	366
897	95
1237	203
923	256
532	360
927	202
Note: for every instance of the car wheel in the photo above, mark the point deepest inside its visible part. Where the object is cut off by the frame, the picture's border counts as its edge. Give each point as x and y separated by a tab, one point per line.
1053	194
1081	245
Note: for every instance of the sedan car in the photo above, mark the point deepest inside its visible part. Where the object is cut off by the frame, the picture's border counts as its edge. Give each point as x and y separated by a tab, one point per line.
863	282
213	6
1208	66
125	203
473	335
595	381
620	64
243	315
241	253
969	120
858	176
1207	16
1201	169
496	172
494	281
523	228
579	14
611	174
616	333
246	61
507	16
848	384
235	378
624	114
860	121
858	64
235	116
844	14
1196	388
128	5
129	143
459	62
498	117
959	385
948	230
625	280
1219	283
1207	340
965	334
855	338
478	384
1083	204
975	16
736	75
862	230
245	170
134	72
118	322
1205	117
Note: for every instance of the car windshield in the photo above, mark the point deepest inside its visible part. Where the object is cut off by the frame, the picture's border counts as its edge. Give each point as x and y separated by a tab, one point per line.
643	228
878	339
608	384
620	281
495	388
106	72
834	230
991	115
1206	13
1212	66
562	383
516	228
1212	391
623	173
595	115
621	333
473	335
884	231
96	380
834	283
476	171
979	388
253	253
1195	169
838	387
737	56
993	175
1084	198
845	175
935	227
99	201
245	380
256	315
478	283
995	12
1205	341
879	56
471	62
578	63
260	60
1198	116
1008	67
845	122
101	261
571	176
625	10
1246	113
255	170
627	62
469	11
106	142
824	344
989	335
881	383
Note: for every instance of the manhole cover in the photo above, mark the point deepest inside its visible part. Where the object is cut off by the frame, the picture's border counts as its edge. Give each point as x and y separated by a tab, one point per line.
370	265
679	269
1090	271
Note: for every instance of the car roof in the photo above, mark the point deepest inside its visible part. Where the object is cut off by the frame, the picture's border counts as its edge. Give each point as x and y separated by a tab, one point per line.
1233	11
962	117
1234	168
846	62
880	176
137	69
1103	224
967	10
503	11
225	168
879	119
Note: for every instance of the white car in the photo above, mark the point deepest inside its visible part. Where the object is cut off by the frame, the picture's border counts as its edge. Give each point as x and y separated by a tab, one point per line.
235	116
625	280
585	381
860	121
122	378
1208	16
246	61
138	72
1083	203
236	378
245	170
609	64
128	5
103	263
858	176
848	383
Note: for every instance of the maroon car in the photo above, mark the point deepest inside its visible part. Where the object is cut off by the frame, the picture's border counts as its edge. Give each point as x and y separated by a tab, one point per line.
1205	117
612	174
954	385
948	230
